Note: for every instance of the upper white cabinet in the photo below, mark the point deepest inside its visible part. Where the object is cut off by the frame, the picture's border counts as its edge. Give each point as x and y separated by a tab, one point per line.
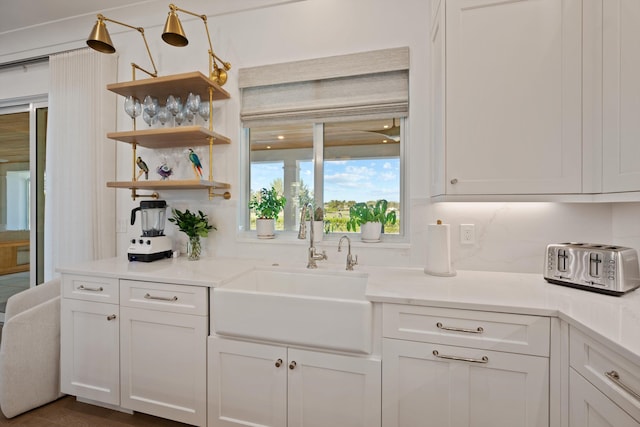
511	97
616	40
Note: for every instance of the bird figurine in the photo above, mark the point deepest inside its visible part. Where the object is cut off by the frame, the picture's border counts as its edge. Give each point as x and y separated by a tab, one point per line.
144	169
164	171
195	163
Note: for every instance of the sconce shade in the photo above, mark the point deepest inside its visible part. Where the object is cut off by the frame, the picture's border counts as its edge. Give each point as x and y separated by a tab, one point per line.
99	38
173	32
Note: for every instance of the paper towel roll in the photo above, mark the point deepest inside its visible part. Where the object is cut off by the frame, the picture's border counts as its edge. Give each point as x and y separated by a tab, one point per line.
439	250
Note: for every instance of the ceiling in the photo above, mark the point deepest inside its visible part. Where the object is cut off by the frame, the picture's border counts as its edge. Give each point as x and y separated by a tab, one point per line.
29	13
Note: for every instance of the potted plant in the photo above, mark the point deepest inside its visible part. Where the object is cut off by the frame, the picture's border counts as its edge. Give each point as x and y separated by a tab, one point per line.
267	204
195	227
371	218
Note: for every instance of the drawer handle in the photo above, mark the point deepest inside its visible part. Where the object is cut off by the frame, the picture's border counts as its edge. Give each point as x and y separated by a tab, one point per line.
478	330
278	363
111	317
86	288
292	365
173	298
615	377
484	359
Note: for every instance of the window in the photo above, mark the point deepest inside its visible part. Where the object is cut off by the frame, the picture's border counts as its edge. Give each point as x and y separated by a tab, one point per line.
355	161
329	132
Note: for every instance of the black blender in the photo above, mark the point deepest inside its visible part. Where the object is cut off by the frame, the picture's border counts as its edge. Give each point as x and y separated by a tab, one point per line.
152	244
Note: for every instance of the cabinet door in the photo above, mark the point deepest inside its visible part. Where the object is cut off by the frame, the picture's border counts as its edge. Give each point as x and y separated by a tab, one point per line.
621	95
333	390
589	407
513	97
164	364
424	390
89	350
247	384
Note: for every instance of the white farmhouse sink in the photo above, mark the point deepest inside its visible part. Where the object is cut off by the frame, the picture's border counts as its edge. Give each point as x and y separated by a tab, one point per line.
303	307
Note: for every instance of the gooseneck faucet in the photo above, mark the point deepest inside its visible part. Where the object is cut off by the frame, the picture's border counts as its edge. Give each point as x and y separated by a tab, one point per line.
351	261
312	255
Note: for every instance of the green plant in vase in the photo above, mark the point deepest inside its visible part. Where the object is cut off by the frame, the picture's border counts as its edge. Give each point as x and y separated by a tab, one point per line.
361	214
194	226
267	204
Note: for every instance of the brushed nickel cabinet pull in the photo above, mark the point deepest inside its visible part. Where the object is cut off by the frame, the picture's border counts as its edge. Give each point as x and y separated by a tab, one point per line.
454	181
478	330
278	363
86	288
615	377
292	365
111	317
173	298
484	359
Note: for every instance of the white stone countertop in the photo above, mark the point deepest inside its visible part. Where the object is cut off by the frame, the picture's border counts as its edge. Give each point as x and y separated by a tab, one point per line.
612	320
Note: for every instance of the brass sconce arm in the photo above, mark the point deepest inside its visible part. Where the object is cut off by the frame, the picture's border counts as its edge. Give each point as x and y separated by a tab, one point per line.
174	35
100	40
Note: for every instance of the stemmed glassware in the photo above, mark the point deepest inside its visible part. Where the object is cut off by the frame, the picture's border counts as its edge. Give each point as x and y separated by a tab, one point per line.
151	108
132	107
164	115
203	111
193	102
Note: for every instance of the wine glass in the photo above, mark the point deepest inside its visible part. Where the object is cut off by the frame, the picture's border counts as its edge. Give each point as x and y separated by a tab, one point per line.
150	106
132	106
164	115
203	111
174	104
188	114
148	119
193	102
179	117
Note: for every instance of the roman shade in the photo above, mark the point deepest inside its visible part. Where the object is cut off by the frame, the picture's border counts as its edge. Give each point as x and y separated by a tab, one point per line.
369	84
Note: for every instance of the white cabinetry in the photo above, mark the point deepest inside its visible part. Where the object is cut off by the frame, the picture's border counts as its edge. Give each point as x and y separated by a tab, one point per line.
163	338
620	36
143	348
604	386
89	339
463	368
511	97
268	385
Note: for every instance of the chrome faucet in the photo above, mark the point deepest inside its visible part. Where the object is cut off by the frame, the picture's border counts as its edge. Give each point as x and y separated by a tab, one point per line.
312	256
351	261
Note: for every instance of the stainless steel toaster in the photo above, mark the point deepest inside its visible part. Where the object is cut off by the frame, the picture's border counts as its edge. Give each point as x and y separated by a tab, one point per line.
607	269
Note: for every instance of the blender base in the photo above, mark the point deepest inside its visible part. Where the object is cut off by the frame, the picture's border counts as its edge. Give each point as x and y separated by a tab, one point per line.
150	257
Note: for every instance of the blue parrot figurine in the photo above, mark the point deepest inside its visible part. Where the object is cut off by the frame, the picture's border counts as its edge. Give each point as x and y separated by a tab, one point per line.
144	169
195	163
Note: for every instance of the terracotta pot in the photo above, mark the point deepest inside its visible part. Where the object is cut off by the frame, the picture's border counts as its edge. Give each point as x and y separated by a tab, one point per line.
266	228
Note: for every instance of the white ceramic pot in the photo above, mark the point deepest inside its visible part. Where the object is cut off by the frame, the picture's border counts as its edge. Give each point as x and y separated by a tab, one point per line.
318	230
266	228
370	232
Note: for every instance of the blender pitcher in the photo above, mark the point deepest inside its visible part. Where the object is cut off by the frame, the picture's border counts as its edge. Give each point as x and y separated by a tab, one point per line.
152	216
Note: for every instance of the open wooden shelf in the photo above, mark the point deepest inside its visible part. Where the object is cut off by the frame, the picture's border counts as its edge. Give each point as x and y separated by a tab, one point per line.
183	184
179	136
176	85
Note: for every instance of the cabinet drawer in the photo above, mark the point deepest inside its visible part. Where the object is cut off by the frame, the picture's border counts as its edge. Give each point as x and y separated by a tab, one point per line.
90	288
164	297
514	333
600	365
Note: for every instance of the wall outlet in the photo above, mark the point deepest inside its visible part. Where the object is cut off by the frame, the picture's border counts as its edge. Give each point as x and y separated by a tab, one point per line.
467	234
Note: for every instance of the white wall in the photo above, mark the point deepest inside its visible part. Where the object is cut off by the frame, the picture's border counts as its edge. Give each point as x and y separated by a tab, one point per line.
510	236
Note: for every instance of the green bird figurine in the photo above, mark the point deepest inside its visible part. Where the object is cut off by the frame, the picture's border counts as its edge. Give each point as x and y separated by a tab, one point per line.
195	163
144	169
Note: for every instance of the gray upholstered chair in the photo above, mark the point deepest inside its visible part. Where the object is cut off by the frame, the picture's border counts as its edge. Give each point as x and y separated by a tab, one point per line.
30	349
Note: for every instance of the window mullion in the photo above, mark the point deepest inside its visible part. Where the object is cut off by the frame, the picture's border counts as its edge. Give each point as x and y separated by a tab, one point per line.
318	164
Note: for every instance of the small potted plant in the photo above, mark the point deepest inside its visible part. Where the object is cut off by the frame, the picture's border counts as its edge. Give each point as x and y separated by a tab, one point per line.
371	218
194	226
267	204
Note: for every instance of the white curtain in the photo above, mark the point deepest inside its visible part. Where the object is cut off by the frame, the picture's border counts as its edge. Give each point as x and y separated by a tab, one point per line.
79	208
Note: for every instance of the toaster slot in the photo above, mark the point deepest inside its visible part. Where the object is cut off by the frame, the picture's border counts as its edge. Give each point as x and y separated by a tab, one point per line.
563	260
595	264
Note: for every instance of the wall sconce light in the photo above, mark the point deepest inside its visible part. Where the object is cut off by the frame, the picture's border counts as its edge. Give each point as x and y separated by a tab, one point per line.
173	34
100	40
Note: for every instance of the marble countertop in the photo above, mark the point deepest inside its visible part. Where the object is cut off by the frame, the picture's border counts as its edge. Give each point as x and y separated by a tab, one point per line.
612	320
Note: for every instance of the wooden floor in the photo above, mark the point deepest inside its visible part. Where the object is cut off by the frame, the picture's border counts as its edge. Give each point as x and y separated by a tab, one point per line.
70	413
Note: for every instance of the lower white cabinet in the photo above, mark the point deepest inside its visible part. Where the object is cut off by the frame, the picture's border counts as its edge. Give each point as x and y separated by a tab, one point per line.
89	350
253	384
144	350
435	385
163	364
588	406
